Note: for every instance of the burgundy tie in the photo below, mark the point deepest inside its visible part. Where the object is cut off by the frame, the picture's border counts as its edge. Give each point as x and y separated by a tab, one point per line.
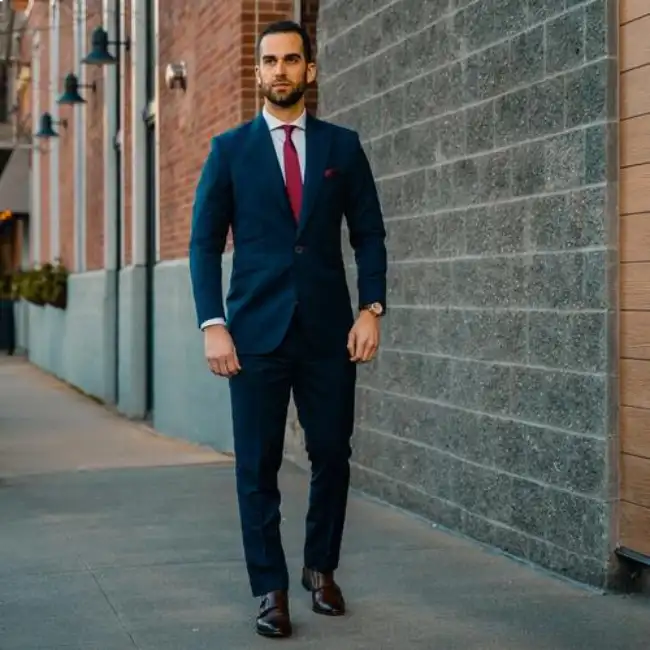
292	171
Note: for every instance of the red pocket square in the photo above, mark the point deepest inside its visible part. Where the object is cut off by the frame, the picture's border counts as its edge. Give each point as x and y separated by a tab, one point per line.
330	172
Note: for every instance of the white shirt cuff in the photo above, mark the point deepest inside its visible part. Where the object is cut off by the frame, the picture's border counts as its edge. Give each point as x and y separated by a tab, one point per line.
213	321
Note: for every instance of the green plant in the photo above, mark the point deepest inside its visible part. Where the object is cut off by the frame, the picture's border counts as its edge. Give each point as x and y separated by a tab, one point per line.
56	292
45	285
6	287
29	285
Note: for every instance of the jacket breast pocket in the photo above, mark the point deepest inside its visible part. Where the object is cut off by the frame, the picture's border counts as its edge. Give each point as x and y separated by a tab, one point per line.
332	185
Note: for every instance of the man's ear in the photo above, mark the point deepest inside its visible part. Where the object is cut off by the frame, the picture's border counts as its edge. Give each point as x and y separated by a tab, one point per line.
311	73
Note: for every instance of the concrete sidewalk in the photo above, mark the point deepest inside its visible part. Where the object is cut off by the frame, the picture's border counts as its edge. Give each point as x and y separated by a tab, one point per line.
113	538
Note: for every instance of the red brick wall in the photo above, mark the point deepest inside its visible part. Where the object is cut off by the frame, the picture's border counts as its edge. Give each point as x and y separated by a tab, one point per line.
216	39
94	152
66	141
268	12
206	34
49	88
40	20
25	119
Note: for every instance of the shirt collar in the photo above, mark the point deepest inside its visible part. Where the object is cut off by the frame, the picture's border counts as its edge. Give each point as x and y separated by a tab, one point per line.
274	123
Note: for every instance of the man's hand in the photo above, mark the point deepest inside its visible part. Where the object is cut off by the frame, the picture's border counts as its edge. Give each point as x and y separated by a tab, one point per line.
220	351
363	340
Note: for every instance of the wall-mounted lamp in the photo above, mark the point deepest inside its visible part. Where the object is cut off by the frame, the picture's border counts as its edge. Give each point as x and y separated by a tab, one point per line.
47	131
71	90
99	54
176	75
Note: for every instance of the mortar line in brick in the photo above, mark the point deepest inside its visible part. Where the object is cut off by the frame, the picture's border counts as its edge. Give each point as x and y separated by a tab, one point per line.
474	463
465	56
501	364
636	19
632	117
632	165
633	214
483	154
493	522
488	204
636	67
499	310
495	256
496	416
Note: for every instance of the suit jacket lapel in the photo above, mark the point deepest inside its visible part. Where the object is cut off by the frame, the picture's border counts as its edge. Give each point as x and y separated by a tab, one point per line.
263	153
317	137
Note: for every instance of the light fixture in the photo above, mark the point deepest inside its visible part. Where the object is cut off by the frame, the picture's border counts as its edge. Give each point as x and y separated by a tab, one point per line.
47	131
99	54
71	90
176	75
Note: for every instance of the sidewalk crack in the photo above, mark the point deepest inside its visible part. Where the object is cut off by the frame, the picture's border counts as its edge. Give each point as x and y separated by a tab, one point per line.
110	604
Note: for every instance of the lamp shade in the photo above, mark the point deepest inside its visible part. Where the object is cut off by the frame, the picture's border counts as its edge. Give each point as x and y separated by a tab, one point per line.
46	130
99	54
71	91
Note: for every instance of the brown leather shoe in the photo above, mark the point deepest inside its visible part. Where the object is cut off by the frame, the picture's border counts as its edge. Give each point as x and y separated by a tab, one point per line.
326	596
273	619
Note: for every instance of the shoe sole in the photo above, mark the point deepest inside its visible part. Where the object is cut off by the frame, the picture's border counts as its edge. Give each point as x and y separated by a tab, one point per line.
316	609
273	635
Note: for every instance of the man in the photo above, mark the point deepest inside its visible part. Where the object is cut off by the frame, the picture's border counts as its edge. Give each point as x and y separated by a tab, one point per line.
284	182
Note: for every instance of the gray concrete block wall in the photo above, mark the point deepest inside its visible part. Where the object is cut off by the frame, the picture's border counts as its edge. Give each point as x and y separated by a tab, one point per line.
490	128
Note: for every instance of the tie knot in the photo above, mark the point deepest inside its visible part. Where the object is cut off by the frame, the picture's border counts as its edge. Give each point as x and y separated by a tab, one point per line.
288	129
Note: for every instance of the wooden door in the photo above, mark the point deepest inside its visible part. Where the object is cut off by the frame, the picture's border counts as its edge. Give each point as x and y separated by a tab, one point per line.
634	51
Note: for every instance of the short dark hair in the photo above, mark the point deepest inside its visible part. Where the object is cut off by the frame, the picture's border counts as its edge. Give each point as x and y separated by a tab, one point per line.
288	27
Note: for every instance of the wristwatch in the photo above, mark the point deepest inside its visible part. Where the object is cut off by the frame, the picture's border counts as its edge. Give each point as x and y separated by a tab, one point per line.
375	308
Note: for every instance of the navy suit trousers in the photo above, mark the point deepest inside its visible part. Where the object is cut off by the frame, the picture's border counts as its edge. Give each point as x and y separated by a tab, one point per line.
323	388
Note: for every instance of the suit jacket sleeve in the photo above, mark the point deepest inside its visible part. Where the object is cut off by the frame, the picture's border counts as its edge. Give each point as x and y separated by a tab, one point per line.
211	219
366	229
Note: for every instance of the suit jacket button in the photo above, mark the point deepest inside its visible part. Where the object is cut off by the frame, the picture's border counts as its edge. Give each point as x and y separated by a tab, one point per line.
299	249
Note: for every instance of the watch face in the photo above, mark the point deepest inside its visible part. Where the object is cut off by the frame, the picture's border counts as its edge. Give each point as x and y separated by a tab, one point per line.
376	308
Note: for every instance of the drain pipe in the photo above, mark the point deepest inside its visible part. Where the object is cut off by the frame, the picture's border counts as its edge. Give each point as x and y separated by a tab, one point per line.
112	203
118	19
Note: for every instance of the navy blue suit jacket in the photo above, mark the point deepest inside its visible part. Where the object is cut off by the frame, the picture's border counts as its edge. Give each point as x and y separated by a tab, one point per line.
278	266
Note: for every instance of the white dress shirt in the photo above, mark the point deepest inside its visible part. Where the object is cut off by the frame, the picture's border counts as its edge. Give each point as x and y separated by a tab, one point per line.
278	136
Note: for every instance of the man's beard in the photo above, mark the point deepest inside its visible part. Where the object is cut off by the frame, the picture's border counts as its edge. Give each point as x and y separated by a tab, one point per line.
285	101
